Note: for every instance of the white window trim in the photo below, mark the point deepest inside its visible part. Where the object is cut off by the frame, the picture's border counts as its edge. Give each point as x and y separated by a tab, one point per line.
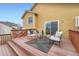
49	22
77	21
34	20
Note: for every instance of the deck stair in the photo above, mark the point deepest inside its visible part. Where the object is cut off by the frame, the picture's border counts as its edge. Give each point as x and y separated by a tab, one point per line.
5	50
29	50
16	49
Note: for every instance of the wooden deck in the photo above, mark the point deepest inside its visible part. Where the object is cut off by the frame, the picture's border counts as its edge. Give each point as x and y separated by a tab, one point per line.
18	47
29	50
66	44
66	48
14	45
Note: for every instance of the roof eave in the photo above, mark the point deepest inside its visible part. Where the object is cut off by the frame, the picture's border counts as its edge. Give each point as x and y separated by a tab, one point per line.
29	10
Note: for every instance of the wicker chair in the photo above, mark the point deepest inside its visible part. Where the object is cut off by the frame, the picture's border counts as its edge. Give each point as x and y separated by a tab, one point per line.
56	38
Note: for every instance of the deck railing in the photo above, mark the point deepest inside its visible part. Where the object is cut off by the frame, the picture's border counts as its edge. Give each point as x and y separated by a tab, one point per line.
18	33
4	38
74	37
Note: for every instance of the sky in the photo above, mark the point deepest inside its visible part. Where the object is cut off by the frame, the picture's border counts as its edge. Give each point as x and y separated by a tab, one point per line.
13	12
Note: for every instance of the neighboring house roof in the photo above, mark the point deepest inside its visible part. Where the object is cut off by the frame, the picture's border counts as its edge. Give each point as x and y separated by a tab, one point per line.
10	24
30	11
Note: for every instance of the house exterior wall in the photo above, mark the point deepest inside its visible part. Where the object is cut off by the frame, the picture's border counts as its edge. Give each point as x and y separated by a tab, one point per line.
25	21
65	13
5	29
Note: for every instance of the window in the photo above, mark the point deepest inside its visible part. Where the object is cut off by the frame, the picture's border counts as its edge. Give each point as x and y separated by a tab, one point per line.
30	20
77	21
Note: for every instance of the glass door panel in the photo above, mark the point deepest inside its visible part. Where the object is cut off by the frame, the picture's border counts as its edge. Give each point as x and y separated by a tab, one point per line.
54	27
51	27
48	28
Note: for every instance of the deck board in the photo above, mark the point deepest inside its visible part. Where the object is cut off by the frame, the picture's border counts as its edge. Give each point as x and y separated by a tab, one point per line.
9	51
1	54
16	49
61	52
12	53
5	50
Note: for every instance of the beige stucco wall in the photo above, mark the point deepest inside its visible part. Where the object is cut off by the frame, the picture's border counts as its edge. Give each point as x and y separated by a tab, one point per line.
65	13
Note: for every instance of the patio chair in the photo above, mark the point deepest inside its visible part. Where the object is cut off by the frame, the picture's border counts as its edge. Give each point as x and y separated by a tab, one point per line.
29	35
33	35
56	38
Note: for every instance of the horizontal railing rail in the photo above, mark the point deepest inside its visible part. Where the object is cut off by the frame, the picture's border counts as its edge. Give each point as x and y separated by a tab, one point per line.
18	33
4	38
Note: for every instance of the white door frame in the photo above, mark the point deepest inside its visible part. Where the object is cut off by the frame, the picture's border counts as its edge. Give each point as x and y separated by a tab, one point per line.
49	22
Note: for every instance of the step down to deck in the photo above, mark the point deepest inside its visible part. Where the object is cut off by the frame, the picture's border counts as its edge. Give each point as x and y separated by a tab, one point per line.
5	50
9	51
29	50
16	49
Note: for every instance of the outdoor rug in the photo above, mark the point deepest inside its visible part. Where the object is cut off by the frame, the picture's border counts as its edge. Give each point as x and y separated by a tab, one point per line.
42	44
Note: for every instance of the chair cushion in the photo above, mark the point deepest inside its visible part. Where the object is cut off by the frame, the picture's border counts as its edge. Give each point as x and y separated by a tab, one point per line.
28	32
33	35
54	38
58	34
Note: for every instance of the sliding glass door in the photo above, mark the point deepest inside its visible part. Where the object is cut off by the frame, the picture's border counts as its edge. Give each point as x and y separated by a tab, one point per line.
51	27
